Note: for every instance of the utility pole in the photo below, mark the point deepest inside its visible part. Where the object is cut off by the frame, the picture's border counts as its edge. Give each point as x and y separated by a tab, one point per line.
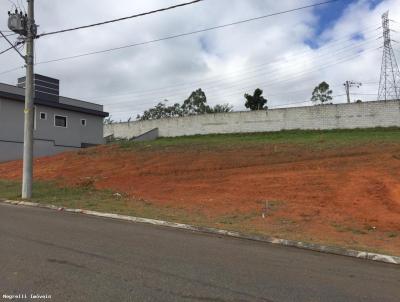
348	85
25	26
27	176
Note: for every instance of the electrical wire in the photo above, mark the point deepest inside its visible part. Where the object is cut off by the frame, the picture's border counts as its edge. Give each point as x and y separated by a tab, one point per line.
343	60
4	51
18	68
295	103
17	45
277	106
260	66
273	78
363	93
367	30
331	43
11	70
273	70
21	6
100	24
195	32
197	83
120	19
181	35
269	63
13	4
9	35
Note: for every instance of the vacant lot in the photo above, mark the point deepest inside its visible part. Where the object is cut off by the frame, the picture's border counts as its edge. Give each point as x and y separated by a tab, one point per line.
333	187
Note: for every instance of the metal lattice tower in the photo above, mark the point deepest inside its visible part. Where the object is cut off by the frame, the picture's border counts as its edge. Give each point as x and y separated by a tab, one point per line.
389	85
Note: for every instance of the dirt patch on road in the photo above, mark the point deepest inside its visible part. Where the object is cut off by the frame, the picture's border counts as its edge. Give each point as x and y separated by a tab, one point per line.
347	195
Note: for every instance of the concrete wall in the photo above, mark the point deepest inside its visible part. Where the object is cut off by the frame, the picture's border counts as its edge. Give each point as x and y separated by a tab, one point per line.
341	116
14	151
48	138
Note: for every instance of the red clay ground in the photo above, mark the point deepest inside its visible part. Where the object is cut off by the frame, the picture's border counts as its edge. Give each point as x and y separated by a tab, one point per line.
347	195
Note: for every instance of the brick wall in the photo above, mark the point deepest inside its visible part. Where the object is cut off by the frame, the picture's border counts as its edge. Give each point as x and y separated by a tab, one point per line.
341	116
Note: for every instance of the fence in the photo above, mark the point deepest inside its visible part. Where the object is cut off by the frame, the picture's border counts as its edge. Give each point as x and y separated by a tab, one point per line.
340	116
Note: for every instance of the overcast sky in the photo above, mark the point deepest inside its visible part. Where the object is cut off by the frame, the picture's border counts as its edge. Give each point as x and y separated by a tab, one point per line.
285	55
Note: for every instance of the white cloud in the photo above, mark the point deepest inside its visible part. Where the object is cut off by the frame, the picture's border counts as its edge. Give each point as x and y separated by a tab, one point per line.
269	53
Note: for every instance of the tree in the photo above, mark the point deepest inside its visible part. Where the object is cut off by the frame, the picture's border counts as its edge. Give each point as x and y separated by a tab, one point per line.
224	108
256	101
108	120
322	93
161	111
196	103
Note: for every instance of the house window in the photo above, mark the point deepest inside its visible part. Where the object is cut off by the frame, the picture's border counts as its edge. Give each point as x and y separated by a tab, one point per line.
83	122
60	121
43	115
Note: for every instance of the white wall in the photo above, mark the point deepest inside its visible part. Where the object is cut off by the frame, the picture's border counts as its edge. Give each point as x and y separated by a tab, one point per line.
341	116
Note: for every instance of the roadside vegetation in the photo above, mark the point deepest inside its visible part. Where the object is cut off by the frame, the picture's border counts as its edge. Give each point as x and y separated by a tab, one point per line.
321	138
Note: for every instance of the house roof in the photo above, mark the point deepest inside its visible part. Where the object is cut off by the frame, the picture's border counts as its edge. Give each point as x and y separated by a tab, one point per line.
18	94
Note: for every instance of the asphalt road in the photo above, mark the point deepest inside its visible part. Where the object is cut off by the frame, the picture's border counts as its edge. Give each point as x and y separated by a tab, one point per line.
79	258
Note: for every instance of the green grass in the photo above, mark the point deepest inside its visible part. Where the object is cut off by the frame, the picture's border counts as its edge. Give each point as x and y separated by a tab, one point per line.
51	193
108	202
88	198
314	137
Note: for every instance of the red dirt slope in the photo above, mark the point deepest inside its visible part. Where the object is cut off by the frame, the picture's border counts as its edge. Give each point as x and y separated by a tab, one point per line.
346	195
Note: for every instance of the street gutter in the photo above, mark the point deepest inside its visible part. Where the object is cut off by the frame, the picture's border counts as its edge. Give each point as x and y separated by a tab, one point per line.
267	239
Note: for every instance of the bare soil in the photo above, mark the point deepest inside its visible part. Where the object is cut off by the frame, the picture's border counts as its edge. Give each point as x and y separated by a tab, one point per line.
346	195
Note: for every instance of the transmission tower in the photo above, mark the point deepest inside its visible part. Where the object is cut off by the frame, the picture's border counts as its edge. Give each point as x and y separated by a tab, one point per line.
389	85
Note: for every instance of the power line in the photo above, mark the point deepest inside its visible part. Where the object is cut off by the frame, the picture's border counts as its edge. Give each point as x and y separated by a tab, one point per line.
11	70
12	3
274	79
292	76
325	47
13	45
277	106
295	103
262	66
214	87
116	48
120	19
194	32
263	71
8	35
176	36
183	34
246	70
4	51
337	62
363	94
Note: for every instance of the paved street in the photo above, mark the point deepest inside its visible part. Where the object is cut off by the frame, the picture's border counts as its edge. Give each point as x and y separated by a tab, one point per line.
79	258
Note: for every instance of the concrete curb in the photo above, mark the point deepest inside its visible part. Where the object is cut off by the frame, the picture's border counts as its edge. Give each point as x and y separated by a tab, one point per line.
266	239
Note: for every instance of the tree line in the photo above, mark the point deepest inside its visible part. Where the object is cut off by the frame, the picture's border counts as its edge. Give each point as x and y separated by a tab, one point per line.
196	104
